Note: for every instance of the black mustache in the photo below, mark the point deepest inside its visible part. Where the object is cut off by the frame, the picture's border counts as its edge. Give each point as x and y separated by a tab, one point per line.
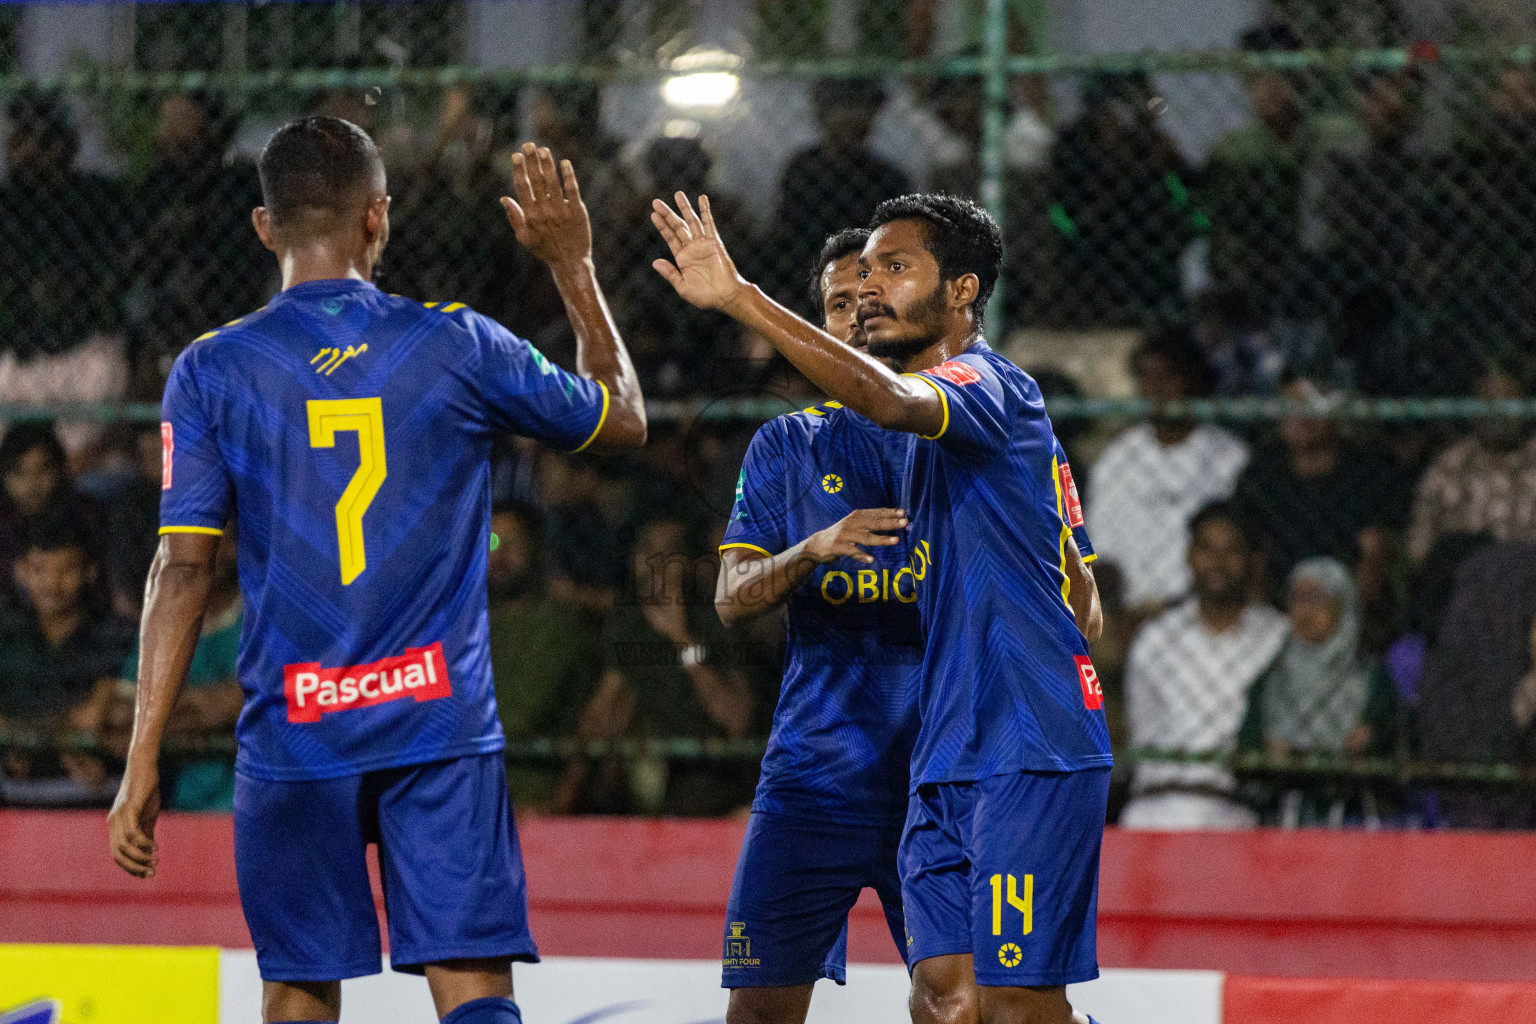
874	309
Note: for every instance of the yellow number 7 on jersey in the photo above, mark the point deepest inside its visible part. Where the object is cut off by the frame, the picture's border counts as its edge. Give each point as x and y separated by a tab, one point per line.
366	417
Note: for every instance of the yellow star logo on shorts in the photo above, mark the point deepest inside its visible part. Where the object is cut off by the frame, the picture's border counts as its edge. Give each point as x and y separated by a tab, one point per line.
831	483
1010	955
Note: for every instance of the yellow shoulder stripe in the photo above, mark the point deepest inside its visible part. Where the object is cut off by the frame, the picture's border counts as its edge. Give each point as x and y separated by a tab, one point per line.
601	419
205	337
452	307
430	305
191	529
813	411
750	547
942	398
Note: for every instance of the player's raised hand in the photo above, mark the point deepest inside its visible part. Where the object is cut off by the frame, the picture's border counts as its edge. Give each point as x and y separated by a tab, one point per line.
850	535
131	823
701	270
548	216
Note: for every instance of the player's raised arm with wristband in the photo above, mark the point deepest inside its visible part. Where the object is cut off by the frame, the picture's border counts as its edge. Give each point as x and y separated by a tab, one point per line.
551	221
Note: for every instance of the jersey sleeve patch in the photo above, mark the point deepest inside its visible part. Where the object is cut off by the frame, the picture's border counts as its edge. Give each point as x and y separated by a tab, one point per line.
955	372
167	453
1072	504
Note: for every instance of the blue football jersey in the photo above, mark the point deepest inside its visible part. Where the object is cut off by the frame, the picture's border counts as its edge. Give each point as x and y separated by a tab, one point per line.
348	432
1006	683
842	736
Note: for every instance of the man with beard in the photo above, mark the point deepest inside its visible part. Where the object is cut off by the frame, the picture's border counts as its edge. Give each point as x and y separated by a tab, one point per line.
812	531
1189	676
1010	771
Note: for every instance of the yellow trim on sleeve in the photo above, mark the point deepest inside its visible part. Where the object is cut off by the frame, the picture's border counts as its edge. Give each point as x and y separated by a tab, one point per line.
750	547
600	421
1091	558
452	307
942	398
209	530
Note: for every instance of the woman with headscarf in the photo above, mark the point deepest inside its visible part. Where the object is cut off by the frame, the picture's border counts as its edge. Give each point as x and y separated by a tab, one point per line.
1322	696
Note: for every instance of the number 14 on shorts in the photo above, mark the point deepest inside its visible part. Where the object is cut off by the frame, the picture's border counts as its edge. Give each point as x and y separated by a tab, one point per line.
1024	904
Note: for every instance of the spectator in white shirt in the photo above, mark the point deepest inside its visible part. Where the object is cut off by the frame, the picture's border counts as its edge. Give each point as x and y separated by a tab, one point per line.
1189	679
1151	479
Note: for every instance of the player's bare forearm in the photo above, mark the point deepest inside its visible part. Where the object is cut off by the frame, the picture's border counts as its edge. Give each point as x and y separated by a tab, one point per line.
550	219
175	597
705	276
1083	595
601	355
180	580
751	584
865	385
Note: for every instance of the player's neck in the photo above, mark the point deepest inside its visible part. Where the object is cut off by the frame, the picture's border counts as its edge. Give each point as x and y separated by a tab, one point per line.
950	344
321	261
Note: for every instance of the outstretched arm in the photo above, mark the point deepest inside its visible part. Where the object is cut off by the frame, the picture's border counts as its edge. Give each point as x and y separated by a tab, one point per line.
550	219
705	276
176	595
752	584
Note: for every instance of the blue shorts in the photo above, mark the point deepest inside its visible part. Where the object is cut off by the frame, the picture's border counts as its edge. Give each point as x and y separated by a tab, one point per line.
1007	869
448	855
796	880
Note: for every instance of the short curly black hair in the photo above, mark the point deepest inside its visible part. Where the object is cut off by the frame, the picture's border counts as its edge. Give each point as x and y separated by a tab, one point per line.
845	243
962	237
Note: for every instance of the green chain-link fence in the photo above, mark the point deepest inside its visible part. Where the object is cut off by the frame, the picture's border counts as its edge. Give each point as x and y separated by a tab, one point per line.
1294	273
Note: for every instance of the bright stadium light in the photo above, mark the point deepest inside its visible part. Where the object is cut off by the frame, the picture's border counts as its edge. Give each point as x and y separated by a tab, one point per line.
707	79
703	89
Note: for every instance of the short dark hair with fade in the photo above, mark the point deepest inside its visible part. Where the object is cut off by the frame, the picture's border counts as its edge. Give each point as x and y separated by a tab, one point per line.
962	237
316	164
846	242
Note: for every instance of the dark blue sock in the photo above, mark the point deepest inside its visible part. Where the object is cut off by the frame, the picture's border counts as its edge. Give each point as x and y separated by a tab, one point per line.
490	1010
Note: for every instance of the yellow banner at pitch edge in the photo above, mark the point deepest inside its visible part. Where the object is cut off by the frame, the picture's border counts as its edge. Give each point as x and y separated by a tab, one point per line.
114	984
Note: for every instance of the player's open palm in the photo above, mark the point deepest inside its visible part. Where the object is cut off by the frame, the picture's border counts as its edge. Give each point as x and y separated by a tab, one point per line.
701	270
548	216
851	535
131	825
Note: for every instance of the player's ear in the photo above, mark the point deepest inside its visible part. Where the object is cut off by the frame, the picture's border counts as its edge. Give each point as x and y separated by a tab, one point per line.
964	290
377	219
261	220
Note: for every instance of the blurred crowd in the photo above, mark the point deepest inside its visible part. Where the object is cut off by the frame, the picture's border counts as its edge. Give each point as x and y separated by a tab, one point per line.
1307	586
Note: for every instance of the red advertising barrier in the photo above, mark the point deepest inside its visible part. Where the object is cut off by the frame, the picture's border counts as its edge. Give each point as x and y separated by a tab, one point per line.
1308	904
1364	1001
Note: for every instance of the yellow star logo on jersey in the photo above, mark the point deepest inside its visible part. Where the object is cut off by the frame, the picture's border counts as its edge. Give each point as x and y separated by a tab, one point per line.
831	483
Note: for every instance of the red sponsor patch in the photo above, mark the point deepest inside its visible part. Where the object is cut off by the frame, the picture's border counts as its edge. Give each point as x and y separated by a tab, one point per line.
1071	503
312	691
167	450
1088	678
955	372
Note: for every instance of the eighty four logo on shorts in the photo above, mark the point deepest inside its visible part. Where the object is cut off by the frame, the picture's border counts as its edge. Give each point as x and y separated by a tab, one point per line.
312	691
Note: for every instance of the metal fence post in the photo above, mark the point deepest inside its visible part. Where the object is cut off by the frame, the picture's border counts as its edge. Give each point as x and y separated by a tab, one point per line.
993	128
